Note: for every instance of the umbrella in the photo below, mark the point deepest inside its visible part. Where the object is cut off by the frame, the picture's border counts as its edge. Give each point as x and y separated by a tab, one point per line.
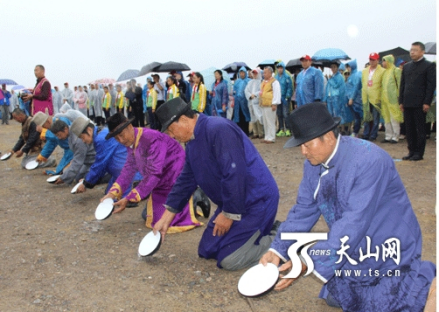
235	66
398	53
103	81
209	78
8	82
128	74
430	48
171	66
149	68
267	63
294	64
330	54
18	87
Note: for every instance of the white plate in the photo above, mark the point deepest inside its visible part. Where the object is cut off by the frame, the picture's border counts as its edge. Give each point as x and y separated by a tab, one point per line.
150	244
104	209
32	165
258	279
5	156
73	191
52	179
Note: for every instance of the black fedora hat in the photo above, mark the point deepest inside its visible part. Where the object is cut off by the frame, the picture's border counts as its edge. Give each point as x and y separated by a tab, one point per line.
116	124
170	111
309	122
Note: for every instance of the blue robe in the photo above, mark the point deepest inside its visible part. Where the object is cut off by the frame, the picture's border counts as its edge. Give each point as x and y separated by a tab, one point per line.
110	158
309	86
240	99
227	166
361	195
335	98
353	88
52	142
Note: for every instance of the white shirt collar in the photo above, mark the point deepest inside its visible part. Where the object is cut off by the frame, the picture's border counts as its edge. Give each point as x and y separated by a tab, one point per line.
325	165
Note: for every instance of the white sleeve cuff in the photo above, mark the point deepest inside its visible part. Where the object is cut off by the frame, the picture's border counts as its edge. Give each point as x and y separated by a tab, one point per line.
277	254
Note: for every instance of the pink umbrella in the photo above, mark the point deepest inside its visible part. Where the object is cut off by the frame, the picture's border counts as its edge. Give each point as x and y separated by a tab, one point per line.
105	81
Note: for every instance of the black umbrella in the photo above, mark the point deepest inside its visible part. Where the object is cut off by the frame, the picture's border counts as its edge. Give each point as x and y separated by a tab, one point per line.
128	74
294	64
149	68
235	66
171	66
398	53
430	48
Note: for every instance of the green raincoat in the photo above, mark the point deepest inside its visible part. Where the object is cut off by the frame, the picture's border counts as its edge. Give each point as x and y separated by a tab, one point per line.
390	91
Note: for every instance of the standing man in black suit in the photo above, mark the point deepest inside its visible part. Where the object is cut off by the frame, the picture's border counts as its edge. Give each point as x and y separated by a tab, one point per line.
418	83
134	96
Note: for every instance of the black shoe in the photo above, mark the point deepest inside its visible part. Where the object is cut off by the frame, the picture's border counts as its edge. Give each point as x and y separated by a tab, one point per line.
275	226
427	136
407	157
416	158
366	139
385	141
393	142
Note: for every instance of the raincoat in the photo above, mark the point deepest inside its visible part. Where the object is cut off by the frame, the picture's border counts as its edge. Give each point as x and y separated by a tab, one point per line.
360	194
219	96
239	96
253	88
98	102
335	98
309	86
286	84
390	91
353	88
371	91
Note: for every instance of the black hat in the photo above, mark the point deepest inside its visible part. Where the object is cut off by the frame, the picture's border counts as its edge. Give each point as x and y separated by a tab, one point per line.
170	111
309	122
116	124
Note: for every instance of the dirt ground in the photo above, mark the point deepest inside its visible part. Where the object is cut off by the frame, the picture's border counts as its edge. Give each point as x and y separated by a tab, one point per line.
55	257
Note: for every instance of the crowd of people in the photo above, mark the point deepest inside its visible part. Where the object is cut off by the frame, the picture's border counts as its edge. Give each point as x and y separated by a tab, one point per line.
194	143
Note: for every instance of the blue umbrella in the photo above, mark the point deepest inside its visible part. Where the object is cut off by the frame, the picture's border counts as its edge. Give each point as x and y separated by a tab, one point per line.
128	74
234	67
8	82
18	87
267	63
209	78
330	54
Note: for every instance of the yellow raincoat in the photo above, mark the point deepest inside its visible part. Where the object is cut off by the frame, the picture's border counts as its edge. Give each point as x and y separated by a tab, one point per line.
390	91
371	92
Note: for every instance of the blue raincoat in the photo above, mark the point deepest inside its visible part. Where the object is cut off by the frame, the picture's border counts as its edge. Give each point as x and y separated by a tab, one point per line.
234	176
335	98
221	96
110	158
240	99
361	195
286	83
309	86
52	142
353	88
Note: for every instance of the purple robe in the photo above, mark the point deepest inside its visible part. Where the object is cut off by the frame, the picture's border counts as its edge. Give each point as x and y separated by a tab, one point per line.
159	159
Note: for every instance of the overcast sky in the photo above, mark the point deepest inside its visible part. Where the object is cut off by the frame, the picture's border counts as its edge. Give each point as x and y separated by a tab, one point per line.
79	41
